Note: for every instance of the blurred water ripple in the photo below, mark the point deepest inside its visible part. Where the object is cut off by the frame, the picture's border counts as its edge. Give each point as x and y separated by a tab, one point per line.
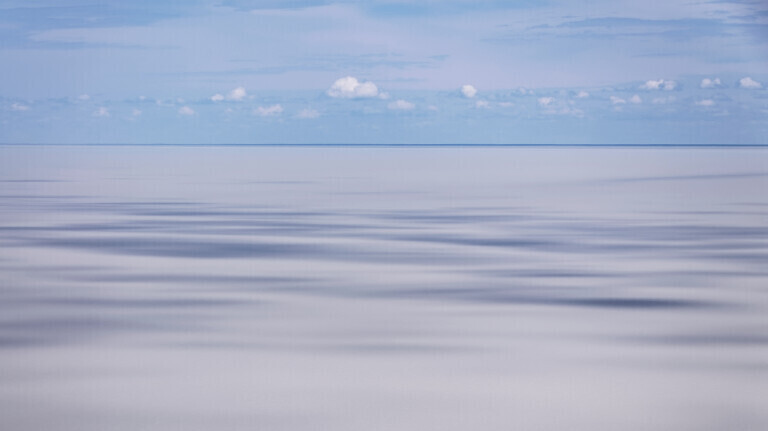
267	288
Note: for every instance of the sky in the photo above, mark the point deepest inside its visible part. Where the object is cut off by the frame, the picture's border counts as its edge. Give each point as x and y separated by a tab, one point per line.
384	72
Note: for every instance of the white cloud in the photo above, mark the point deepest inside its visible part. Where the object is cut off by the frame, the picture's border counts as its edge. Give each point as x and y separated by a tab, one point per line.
524	91
136	112
433	108
660	84
268	111
481	104
235	95
468	91
710	83
636	99
19	107
384	96
750	83
506	104
401	105
350	88
101	112
308	113
544	101
582	95
706	102
83	97
186	110
617	100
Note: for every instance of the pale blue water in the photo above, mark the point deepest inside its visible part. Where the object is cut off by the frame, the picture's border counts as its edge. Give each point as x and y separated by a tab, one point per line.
204	288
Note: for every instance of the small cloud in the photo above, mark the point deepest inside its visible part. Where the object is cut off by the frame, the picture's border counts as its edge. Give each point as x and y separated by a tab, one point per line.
350	88
384	96
401	104
711	83
235	95
268	111
524	91
544	101
582	95
749	83
19	107
635	99
101	112
660	84
481	104
468	91
83	97
433	108
307	113
186	110
617	100
136	112
706	102
506	104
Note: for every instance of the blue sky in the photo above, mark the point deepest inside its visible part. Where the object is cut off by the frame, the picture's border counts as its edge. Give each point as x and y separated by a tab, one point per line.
384	71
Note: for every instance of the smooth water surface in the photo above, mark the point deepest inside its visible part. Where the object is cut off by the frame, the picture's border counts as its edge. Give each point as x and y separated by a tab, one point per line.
203	288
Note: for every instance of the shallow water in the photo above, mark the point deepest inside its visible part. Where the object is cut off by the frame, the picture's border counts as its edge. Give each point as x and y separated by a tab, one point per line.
201	288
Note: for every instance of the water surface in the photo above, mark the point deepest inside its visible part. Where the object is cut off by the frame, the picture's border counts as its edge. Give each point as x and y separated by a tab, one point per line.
203	288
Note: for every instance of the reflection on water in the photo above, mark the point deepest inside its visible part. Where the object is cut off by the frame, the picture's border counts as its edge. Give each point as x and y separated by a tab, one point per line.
409	289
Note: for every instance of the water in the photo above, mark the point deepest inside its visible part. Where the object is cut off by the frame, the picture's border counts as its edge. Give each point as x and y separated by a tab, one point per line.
162	288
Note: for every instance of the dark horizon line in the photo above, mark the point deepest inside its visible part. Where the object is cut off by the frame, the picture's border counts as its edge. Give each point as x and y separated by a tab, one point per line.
379	145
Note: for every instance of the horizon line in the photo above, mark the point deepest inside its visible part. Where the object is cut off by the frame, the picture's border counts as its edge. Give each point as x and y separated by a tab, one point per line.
380	145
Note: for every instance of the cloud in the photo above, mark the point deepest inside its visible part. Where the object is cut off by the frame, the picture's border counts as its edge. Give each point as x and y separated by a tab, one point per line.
660	84
268	111
636	99
186	110
710	83
136	112
749	83
350	88
582	95
101	112
506	104
235	95
544	101
307	113
468	91
481	104
83	97
401	104
706	102
617	100
19	107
